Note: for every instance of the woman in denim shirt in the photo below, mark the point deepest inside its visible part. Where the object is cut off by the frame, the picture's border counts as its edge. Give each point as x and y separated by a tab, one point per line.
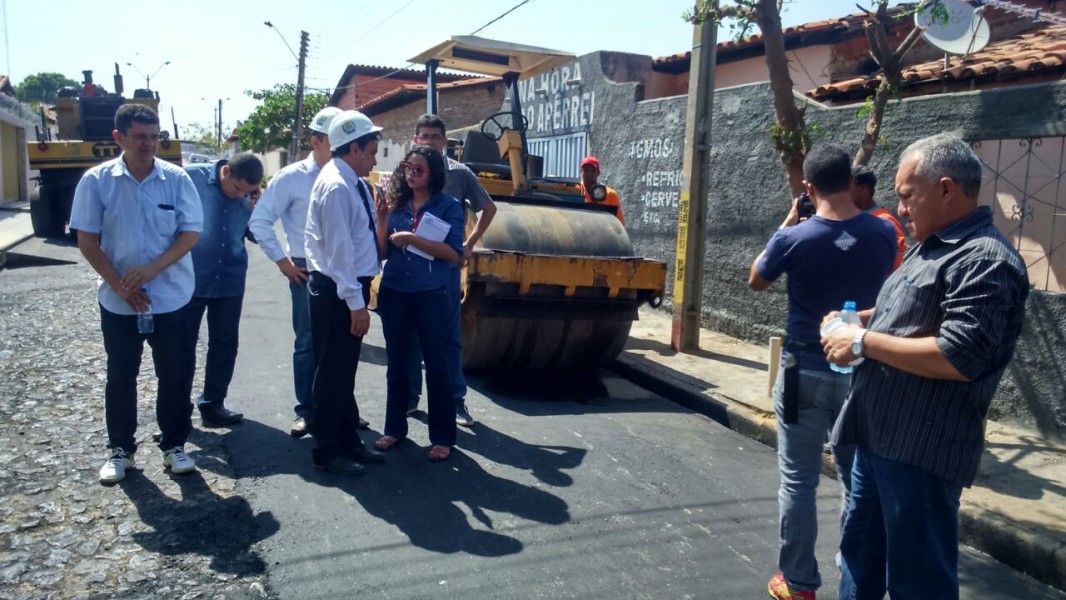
414	294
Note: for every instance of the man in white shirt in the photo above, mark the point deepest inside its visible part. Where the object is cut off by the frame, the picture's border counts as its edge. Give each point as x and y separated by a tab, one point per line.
342	258
286	198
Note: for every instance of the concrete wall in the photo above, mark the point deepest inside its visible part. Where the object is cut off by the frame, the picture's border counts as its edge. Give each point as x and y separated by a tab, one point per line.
640	146
16	129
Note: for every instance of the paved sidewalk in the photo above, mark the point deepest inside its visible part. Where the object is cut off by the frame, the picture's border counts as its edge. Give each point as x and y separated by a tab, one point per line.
1015	512
15	226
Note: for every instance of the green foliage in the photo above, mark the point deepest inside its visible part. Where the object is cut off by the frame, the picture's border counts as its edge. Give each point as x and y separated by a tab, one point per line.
270	124
867	107
43	87
204	135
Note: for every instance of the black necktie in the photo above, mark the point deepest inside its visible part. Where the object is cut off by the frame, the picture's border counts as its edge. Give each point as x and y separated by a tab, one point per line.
369	216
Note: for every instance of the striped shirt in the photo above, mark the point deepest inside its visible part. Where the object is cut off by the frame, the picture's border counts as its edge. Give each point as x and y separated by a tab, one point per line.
965	286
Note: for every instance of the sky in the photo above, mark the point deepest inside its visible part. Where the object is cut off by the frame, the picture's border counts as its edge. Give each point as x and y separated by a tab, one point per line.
220	50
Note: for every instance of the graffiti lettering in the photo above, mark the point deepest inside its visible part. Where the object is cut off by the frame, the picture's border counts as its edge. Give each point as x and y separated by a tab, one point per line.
555	101
656	148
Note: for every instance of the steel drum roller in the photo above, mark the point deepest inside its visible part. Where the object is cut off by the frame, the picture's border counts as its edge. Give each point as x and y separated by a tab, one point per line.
551	287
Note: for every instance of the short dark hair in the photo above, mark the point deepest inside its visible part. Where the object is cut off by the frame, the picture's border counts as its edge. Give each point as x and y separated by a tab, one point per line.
362	141
828	169
864	175
128	114
246	167
430	122
319	135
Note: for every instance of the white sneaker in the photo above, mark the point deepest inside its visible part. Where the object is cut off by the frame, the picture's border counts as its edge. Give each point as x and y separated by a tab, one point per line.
114	470
177	461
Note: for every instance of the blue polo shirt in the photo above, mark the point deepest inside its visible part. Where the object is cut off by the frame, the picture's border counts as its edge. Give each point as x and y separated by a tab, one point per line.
220	258
408	272
137	222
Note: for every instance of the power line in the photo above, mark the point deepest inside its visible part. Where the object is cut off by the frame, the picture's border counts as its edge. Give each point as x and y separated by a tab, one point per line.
372	29
514	8
411	64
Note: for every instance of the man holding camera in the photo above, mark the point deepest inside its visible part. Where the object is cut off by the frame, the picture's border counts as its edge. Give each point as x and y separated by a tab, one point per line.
595	192
837	254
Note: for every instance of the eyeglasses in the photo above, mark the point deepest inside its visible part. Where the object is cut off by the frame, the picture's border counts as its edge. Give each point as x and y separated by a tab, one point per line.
413	170
429	137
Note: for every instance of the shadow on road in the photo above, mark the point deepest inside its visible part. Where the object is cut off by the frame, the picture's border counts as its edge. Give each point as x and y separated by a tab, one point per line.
424	500
200	522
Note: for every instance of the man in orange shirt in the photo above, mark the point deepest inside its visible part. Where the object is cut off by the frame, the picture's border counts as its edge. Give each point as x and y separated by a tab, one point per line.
863	182
595	192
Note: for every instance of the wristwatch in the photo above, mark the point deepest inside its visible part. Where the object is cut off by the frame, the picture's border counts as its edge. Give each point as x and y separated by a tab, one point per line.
856	344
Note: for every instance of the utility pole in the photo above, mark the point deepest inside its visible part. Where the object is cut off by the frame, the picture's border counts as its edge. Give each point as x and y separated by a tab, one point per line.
692	207
297	128
218	140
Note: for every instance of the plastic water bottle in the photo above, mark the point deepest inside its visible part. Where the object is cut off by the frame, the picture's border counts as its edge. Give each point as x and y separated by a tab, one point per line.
845	317
145	322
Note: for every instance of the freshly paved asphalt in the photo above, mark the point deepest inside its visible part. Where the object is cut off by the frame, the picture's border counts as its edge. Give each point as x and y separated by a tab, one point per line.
567	487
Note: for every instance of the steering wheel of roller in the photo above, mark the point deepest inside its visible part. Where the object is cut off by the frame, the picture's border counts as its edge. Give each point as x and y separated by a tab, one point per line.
493	127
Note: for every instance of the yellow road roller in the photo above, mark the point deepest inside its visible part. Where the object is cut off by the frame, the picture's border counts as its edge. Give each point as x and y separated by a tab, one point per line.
553	283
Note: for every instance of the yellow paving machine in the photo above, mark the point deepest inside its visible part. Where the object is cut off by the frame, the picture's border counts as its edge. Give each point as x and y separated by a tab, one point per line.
85	119
553	283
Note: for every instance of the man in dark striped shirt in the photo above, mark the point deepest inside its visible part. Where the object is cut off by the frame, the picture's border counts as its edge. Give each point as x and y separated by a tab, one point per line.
936	345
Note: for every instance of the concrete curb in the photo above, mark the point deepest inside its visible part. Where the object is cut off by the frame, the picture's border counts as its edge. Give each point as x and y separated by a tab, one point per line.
996	535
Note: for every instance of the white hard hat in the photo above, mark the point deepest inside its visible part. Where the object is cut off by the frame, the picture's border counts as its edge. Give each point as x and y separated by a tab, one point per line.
347	126
323	118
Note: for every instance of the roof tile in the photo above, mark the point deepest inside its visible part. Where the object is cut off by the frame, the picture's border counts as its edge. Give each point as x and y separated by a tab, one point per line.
1034	52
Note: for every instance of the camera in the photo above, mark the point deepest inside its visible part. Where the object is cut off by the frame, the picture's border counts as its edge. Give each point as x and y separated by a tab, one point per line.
805	207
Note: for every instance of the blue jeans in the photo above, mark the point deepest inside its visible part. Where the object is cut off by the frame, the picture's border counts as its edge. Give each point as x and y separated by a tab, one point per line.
174	353
799	456
223	335
901	534
303	353
427	313
457	382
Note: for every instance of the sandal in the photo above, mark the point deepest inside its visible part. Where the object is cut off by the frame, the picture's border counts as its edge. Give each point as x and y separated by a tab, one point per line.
385	442
438	453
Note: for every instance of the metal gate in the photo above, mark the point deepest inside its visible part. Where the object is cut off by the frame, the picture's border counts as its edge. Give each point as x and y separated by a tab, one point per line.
1023	183
562	154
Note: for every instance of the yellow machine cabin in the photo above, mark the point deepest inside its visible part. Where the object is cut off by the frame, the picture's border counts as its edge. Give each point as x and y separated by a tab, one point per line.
85	119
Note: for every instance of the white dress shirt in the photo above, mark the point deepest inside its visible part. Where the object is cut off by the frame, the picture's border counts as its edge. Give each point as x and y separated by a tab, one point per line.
339	240
285	198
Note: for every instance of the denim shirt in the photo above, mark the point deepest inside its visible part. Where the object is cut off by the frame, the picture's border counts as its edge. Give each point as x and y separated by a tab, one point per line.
408	272
137	222
219	258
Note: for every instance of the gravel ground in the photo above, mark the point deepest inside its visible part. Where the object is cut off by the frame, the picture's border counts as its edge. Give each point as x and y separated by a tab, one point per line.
62	534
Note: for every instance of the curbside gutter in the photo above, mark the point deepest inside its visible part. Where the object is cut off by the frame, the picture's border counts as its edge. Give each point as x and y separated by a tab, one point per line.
1025	550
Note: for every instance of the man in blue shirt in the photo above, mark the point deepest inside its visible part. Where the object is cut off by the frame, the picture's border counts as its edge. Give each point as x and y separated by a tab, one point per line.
837	255
286	198
137	218
227	191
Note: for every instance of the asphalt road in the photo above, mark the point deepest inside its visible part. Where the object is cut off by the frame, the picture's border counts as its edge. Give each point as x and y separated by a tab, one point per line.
566	488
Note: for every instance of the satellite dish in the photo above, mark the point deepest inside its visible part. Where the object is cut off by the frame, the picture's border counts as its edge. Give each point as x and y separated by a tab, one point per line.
965	31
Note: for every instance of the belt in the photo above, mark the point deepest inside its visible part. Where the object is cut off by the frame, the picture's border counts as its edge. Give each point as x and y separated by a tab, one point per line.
801	346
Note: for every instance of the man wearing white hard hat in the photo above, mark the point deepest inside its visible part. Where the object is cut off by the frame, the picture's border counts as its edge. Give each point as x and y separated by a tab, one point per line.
342	257
286	198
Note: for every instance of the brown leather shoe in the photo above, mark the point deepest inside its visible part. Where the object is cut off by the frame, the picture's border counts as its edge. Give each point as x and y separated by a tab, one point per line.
300	427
